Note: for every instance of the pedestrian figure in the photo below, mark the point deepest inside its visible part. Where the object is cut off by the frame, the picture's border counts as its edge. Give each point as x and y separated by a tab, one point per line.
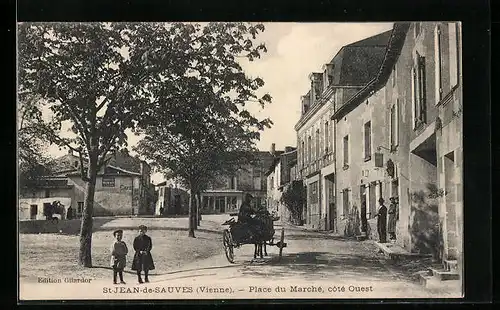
143	261
246	223
382	221
364	221
392	211
69	213
118	256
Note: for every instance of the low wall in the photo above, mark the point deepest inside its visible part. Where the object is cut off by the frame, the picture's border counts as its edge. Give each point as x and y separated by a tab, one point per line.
69	227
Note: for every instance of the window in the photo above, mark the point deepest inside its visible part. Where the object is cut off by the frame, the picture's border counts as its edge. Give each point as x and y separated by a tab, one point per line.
309	148
453	53
394	77
313	192
438	64
76	164
394	125
368	140
417	29
47	193
303	153
346	152
108	182
318	143
272	183
345	201
327	138
419	105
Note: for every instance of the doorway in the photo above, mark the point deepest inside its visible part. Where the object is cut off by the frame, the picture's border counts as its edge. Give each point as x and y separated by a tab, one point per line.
177	204
451	219
33	211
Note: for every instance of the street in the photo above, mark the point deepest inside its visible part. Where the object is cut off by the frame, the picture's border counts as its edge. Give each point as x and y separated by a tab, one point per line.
313	265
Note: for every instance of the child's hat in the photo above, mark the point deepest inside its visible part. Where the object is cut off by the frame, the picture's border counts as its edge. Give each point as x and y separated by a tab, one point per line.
143	227
118	231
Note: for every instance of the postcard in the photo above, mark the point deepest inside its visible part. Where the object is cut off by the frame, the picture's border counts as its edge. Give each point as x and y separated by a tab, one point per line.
238	160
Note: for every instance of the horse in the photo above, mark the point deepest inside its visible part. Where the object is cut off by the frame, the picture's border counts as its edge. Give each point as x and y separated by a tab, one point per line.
266	233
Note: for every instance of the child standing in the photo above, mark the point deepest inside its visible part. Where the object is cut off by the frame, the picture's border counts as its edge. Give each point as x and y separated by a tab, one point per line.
143	261
118	256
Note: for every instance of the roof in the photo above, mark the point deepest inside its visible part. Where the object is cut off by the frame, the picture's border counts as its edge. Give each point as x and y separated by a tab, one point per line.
355	65
391	54
121	161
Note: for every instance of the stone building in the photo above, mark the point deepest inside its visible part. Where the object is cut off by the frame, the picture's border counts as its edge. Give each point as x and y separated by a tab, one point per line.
172	199
123	187
278	177
361	134
226	195
345	75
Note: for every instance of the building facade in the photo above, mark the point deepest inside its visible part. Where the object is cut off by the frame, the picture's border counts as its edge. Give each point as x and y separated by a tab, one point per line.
172	200
123	187
345	75
226	194
278	177
401	136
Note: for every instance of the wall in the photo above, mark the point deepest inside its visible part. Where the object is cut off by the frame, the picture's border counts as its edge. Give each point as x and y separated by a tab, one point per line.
360	172
115	200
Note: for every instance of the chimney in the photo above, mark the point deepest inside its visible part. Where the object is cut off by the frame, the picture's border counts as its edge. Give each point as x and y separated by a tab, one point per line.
306	102
316	86
273	148
288	149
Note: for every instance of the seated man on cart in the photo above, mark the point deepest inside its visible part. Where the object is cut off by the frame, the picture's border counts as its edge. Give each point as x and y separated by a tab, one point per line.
247	227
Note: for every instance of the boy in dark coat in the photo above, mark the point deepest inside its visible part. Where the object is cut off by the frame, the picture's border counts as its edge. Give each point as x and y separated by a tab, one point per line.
382	221
143	261
118	256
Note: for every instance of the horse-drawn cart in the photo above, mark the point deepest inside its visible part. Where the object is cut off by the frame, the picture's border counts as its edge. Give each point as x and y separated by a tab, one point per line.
260	235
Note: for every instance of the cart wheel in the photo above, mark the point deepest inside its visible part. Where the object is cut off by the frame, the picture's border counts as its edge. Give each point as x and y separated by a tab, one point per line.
227	241
282	239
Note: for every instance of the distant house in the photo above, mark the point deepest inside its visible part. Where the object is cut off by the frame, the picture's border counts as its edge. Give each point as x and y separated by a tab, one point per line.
279	175
226	194
123	187
172	200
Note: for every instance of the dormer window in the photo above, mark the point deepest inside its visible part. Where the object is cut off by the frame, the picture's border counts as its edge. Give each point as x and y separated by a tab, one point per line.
327	75
75	164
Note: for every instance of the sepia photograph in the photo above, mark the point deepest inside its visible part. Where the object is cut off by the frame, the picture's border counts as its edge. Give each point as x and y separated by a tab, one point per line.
239	160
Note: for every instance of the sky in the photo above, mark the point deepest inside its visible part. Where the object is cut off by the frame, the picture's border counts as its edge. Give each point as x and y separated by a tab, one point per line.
294	50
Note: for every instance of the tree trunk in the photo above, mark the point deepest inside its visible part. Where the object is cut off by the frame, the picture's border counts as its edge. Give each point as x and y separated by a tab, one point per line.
85	255
198	203
192	214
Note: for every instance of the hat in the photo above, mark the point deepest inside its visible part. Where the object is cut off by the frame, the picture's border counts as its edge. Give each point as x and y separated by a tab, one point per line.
392	198
143	227
381	200
248	195
118	231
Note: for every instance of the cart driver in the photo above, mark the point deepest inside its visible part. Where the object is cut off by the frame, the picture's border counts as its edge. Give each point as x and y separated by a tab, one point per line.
246	210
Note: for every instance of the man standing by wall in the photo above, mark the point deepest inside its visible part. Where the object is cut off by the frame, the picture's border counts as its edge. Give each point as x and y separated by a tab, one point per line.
382	221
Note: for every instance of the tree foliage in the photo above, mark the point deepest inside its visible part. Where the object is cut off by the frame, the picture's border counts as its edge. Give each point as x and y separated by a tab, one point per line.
32	160
201	127
293	198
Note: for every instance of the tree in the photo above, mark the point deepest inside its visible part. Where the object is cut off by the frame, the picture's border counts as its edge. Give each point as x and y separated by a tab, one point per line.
99	79
201	128
293	198
33	161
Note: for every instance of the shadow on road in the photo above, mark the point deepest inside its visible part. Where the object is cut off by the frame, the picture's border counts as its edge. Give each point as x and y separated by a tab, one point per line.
314	236
321	265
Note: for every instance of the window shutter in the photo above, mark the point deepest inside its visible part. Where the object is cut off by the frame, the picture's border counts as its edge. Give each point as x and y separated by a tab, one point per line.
437	62
423	107
413	99
396	112
391	126
453	53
